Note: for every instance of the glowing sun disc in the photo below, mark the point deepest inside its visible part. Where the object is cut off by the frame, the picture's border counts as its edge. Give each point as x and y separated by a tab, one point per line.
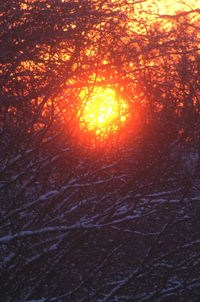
102	111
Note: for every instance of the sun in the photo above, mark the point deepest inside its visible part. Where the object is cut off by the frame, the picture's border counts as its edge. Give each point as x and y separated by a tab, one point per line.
102	111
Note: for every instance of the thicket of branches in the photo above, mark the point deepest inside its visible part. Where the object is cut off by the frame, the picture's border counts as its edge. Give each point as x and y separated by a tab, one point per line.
116	223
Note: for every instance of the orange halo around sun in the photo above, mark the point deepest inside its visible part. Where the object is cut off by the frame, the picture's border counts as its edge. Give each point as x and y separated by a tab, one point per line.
102	112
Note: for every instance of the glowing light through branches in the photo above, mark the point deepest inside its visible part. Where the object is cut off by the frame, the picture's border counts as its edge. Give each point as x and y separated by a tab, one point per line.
102	112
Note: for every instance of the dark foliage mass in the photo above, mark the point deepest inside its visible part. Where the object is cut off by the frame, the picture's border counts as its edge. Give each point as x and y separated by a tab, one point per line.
119	222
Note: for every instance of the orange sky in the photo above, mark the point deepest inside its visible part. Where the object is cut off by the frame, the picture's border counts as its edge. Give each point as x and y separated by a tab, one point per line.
171	6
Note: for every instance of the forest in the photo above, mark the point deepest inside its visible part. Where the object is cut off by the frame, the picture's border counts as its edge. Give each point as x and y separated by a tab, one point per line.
99	151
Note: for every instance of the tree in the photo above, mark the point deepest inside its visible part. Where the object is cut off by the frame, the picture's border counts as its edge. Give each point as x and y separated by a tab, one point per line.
108	224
